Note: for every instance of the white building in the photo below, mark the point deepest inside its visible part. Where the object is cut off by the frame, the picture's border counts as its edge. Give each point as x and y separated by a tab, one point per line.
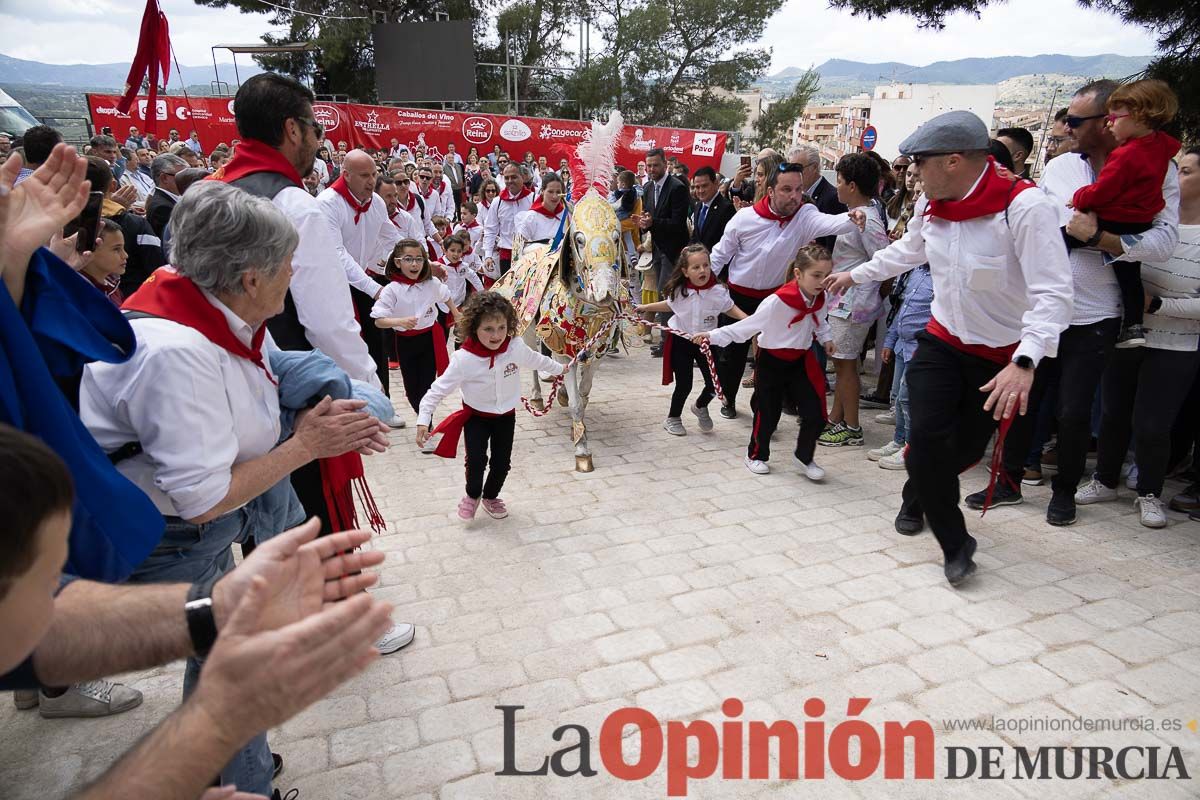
898	108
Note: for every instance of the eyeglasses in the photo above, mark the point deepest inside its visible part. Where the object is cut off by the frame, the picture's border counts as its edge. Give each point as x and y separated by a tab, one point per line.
916	160
490	190
317	127
1111	118
1055	140
410	260
1074	122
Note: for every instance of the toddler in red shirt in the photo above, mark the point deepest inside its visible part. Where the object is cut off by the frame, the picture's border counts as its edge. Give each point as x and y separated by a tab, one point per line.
1127	194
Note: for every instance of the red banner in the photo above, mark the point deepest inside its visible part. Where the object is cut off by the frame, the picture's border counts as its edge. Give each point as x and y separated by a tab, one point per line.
377	126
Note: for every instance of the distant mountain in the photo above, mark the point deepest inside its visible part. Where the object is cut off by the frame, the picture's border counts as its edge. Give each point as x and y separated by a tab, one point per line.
841	78
108	76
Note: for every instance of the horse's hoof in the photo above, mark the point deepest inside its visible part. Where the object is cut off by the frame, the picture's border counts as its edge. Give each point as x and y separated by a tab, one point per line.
583	464
538	403
563	400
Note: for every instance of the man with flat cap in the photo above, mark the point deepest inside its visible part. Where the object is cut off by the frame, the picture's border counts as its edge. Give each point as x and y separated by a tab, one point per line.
1002	296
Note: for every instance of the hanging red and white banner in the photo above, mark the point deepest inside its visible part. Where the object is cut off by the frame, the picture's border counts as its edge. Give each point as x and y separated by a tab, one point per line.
377	126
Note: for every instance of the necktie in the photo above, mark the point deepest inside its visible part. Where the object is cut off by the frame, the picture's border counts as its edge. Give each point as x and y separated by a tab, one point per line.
703	215
650	196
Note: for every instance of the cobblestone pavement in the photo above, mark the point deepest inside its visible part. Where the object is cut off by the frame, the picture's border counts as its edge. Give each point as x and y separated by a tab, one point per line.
671	578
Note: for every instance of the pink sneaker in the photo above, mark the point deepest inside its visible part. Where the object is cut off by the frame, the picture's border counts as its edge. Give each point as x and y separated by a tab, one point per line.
495	508
467	508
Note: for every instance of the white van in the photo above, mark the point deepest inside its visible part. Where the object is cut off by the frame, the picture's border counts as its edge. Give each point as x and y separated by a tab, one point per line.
14	119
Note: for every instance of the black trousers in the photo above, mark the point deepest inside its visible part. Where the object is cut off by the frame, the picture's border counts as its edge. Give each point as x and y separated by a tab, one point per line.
1129	273
479	432
948	432
777	382
1144	390
311	492
685	354
732	361
418	367
1083	352
372	335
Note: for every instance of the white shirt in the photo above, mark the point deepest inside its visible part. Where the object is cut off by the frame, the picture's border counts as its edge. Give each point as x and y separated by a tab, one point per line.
322	170
140	181
423	217
1176	324
475	231
1097	296
994	282
499	224
773	324
407	225
494	389
418	300
446	196
457	277
533	226
757	250
319	288
361	246
860	303
696	312
195	409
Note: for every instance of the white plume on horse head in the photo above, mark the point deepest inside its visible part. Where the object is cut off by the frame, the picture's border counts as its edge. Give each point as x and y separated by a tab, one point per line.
596	156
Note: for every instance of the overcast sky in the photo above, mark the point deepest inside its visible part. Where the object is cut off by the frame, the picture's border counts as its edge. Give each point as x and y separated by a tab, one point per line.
805	33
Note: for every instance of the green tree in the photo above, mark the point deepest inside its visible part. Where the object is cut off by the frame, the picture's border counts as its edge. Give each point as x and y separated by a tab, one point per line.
535	30
774	124
667	62
1177	25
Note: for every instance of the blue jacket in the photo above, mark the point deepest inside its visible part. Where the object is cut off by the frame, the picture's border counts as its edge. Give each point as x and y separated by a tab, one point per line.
913	315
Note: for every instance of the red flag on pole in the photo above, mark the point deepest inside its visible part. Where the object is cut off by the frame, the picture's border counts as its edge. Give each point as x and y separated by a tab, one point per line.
153	56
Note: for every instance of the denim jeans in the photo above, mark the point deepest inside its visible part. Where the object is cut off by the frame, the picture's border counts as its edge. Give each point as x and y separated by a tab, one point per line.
189	553
900	399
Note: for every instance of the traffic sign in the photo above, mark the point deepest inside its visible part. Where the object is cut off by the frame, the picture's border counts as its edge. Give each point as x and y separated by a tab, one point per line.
869	137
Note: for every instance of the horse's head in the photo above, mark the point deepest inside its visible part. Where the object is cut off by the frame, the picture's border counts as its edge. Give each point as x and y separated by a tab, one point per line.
593	255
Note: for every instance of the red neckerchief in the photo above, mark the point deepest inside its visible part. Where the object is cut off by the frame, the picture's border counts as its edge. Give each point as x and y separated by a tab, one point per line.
341	188
428	191
764	210
400	277
392	218
412	201
169	295
525	192
478	348
995	191
790	294
253	156
712	281
545	212
472	224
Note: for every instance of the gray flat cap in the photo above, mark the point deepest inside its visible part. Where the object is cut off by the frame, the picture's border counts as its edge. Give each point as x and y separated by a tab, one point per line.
952	132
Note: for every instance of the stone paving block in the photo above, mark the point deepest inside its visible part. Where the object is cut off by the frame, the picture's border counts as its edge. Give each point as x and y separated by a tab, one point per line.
485	679
361	781
1005	646
629	644
1020	683
1112	614
576	629
1159	683
946	664
372	741
936	629
1081	663
877	646
616	680
426	767
688	662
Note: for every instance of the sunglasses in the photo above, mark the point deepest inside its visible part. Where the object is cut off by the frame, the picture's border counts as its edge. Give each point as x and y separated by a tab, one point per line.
1074	122
900	167
317	127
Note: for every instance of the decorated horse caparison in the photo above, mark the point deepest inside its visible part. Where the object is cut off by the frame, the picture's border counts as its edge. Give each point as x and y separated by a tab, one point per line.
565	292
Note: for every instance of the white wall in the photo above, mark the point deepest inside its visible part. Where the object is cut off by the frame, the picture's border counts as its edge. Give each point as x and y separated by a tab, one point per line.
895	118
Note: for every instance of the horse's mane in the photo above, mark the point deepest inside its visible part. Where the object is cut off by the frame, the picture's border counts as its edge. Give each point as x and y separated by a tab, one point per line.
594	158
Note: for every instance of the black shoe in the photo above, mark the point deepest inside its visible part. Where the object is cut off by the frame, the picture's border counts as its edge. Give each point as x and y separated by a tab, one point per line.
1061	510
1004	495
1194	516
871	401
961	567
1187	501
656	351
291	795
277	761
791	409
728	412
1131	336
908	523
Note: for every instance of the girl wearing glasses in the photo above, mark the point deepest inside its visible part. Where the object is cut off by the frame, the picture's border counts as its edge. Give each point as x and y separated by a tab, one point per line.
409	305
1127	194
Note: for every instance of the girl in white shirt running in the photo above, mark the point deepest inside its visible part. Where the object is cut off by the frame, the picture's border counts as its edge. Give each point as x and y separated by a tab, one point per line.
487	368
696	299
786	324
409	304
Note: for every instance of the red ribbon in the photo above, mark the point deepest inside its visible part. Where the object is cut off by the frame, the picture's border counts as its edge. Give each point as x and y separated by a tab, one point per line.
757	294
441	358
816	375
451	429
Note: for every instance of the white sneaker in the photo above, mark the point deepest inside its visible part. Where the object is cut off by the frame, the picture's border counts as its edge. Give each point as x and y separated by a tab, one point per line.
396	423
886	418
674	426
894	461
756	466
703	418
1094	492
888	449
400	634
1151	510
99	698
811	470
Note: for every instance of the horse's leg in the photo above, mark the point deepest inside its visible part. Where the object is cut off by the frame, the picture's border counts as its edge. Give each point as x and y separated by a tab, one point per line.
583	453
585	382
535	390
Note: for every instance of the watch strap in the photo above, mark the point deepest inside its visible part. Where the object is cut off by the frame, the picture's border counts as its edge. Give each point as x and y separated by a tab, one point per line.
202	625
1095	240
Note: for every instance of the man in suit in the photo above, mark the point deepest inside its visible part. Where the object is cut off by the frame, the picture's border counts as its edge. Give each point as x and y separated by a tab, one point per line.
665	200
162	200
713	209
817	190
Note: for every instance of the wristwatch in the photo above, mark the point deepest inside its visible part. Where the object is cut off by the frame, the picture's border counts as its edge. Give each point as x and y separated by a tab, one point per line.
1024	362
202	626
1095	240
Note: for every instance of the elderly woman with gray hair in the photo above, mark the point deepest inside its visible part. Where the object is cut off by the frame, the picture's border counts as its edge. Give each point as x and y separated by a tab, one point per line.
193	417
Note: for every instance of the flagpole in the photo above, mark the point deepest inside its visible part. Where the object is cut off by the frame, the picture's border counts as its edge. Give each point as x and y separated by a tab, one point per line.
187	100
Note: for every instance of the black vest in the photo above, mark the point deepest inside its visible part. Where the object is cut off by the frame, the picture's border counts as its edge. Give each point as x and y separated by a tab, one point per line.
285	328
